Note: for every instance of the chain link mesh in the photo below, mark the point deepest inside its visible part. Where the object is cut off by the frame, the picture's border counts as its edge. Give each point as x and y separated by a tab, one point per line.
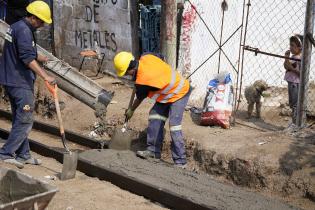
209	42
268	28
270	25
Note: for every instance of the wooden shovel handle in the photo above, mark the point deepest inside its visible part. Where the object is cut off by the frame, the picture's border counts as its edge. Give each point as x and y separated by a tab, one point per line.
132	97
53	89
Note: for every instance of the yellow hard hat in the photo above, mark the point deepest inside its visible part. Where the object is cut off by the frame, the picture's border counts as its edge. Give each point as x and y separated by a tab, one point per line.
121	62
41	10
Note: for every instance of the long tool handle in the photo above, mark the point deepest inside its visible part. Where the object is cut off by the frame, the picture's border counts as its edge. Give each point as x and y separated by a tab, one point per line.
132	97
62	130
54	91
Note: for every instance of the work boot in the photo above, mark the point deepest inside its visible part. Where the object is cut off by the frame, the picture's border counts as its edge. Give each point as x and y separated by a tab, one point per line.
182	166
292	128
31	161
14	162
147	154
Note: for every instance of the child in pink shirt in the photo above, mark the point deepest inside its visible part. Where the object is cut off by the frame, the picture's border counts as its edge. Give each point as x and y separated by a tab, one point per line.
292	74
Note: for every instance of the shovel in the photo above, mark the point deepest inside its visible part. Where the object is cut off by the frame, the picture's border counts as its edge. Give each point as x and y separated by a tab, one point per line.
70	159
121	139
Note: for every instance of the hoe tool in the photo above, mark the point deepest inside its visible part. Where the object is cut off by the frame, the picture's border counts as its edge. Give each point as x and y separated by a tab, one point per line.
122	138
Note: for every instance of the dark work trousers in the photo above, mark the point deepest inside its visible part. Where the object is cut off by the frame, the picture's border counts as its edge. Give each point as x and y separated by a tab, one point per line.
22	105
293	91
157	117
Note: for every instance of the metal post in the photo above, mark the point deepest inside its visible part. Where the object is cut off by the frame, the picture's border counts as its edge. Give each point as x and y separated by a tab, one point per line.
238	66
305	65
242	57
168	31
224	8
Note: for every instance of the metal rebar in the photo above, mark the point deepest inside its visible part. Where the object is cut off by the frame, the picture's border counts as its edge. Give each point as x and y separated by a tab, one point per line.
238	65
221	35
219	45
228	39
204	22
203	63
243	51
257	51
305	65
229	60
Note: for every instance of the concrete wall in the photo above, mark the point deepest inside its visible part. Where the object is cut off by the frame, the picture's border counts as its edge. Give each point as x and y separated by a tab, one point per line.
78	24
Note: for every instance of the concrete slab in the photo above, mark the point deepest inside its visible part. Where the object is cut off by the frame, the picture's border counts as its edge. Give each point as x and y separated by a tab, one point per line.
199	188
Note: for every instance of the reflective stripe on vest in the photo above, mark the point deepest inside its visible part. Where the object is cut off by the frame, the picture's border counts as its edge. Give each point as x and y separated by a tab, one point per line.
168	88
154	72
157	117
178	88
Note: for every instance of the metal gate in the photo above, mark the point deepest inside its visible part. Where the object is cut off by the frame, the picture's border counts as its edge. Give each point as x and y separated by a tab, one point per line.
247	38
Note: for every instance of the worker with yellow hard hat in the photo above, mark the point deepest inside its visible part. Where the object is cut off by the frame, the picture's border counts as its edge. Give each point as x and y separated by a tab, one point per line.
18	69
155	79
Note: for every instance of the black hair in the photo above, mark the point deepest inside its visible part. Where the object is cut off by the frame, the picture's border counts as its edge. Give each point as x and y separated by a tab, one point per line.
132	65
29	14
297	39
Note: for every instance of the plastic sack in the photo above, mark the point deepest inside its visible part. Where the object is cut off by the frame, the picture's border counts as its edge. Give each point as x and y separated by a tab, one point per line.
218	104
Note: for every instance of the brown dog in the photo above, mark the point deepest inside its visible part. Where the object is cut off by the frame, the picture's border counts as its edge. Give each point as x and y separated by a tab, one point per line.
253	96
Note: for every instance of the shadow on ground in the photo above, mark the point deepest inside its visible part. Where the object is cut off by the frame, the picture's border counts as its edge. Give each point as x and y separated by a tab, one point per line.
258	122
301	155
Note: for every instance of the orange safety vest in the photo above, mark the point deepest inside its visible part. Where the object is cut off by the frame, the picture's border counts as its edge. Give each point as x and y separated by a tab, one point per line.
154	72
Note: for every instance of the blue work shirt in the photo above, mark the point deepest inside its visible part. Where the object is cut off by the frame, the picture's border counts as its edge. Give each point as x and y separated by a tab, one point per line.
19	50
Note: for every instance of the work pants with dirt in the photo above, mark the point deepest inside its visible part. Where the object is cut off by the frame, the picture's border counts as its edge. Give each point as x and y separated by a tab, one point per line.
22	106
293	91
157	117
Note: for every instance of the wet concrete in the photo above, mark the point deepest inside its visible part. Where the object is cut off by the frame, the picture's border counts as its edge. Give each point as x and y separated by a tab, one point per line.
121	139
199	188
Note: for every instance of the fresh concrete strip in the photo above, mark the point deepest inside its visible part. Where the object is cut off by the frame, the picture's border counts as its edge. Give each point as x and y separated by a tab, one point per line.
198	188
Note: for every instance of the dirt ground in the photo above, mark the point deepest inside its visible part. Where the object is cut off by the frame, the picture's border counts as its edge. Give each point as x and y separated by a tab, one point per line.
83	192
273	163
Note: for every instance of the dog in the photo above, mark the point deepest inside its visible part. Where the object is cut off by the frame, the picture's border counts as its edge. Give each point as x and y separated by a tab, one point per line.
253	96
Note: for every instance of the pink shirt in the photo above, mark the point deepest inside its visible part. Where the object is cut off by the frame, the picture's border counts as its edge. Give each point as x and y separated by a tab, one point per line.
291	76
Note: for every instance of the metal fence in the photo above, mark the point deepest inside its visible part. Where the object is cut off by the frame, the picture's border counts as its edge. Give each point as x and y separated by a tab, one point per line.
150	28
267	29
246	38
210	39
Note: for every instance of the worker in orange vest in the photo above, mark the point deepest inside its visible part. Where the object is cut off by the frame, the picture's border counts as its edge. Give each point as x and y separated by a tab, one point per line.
155	79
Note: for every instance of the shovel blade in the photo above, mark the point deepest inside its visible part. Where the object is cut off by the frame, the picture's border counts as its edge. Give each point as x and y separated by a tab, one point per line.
69	166
121	140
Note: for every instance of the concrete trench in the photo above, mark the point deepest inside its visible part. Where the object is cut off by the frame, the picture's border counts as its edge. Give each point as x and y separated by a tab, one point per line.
198	187
255	174
251	173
